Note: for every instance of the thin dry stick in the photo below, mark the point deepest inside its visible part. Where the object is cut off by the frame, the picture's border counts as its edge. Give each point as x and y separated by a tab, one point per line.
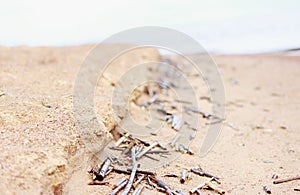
143	172
146	150
189	176
202	173
119	182
98	183
162	184
203	114
123	138
138	181
286	180
179	192
215	188
150	157
108	171
120	187
104	169
183	176
133	172
158	152
267	190
139	190
172	143
121	171
192	191
151	184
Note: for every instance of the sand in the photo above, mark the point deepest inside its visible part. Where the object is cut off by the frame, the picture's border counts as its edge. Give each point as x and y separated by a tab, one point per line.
43	152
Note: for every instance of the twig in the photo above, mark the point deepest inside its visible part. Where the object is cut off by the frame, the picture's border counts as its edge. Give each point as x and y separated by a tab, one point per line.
203	114
122	139
129	147
172	143
162	184
187	149
138	181
139	190
98	183
183	176
286	180
176	122
120	187
150	182
133	172
108	171
146	150
119	182
157	152
103	169
161	145
189	176
215	188
179	192
199	192
231	126
143	142
202	173
143	172
152	158
171	175
121	171
267	190
192	191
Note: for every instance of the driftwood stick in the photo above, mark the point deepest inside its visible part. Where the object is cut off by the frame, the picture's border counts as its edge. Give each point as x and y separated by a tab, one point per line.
172	143
152	158
151	184
119	182
215	188
121	171
158	152
138	181
203	114
103	170
143	172
267	190
278	181
162	184
192	191
123	138
143	152
179	192
133	172
120	187
139	190
108	171
98	183
202	173
183	176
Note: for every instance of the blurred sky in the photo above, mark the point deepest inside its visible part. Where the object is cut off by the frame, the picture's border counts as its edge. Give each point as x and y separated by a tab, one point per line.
221	26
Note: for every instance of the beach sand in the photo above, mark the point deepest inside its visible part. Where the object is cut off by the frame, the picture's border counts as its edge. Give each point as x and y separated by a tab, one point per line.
41	151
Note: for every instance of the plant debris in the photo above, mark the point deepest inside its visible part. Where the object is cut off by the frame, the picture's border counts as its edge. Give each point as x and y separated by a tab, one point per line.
278	181
267	189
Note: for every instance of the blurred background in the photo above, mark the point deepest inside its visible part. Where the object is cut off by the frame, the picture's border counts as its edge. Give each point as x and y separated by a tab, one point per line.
231	27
